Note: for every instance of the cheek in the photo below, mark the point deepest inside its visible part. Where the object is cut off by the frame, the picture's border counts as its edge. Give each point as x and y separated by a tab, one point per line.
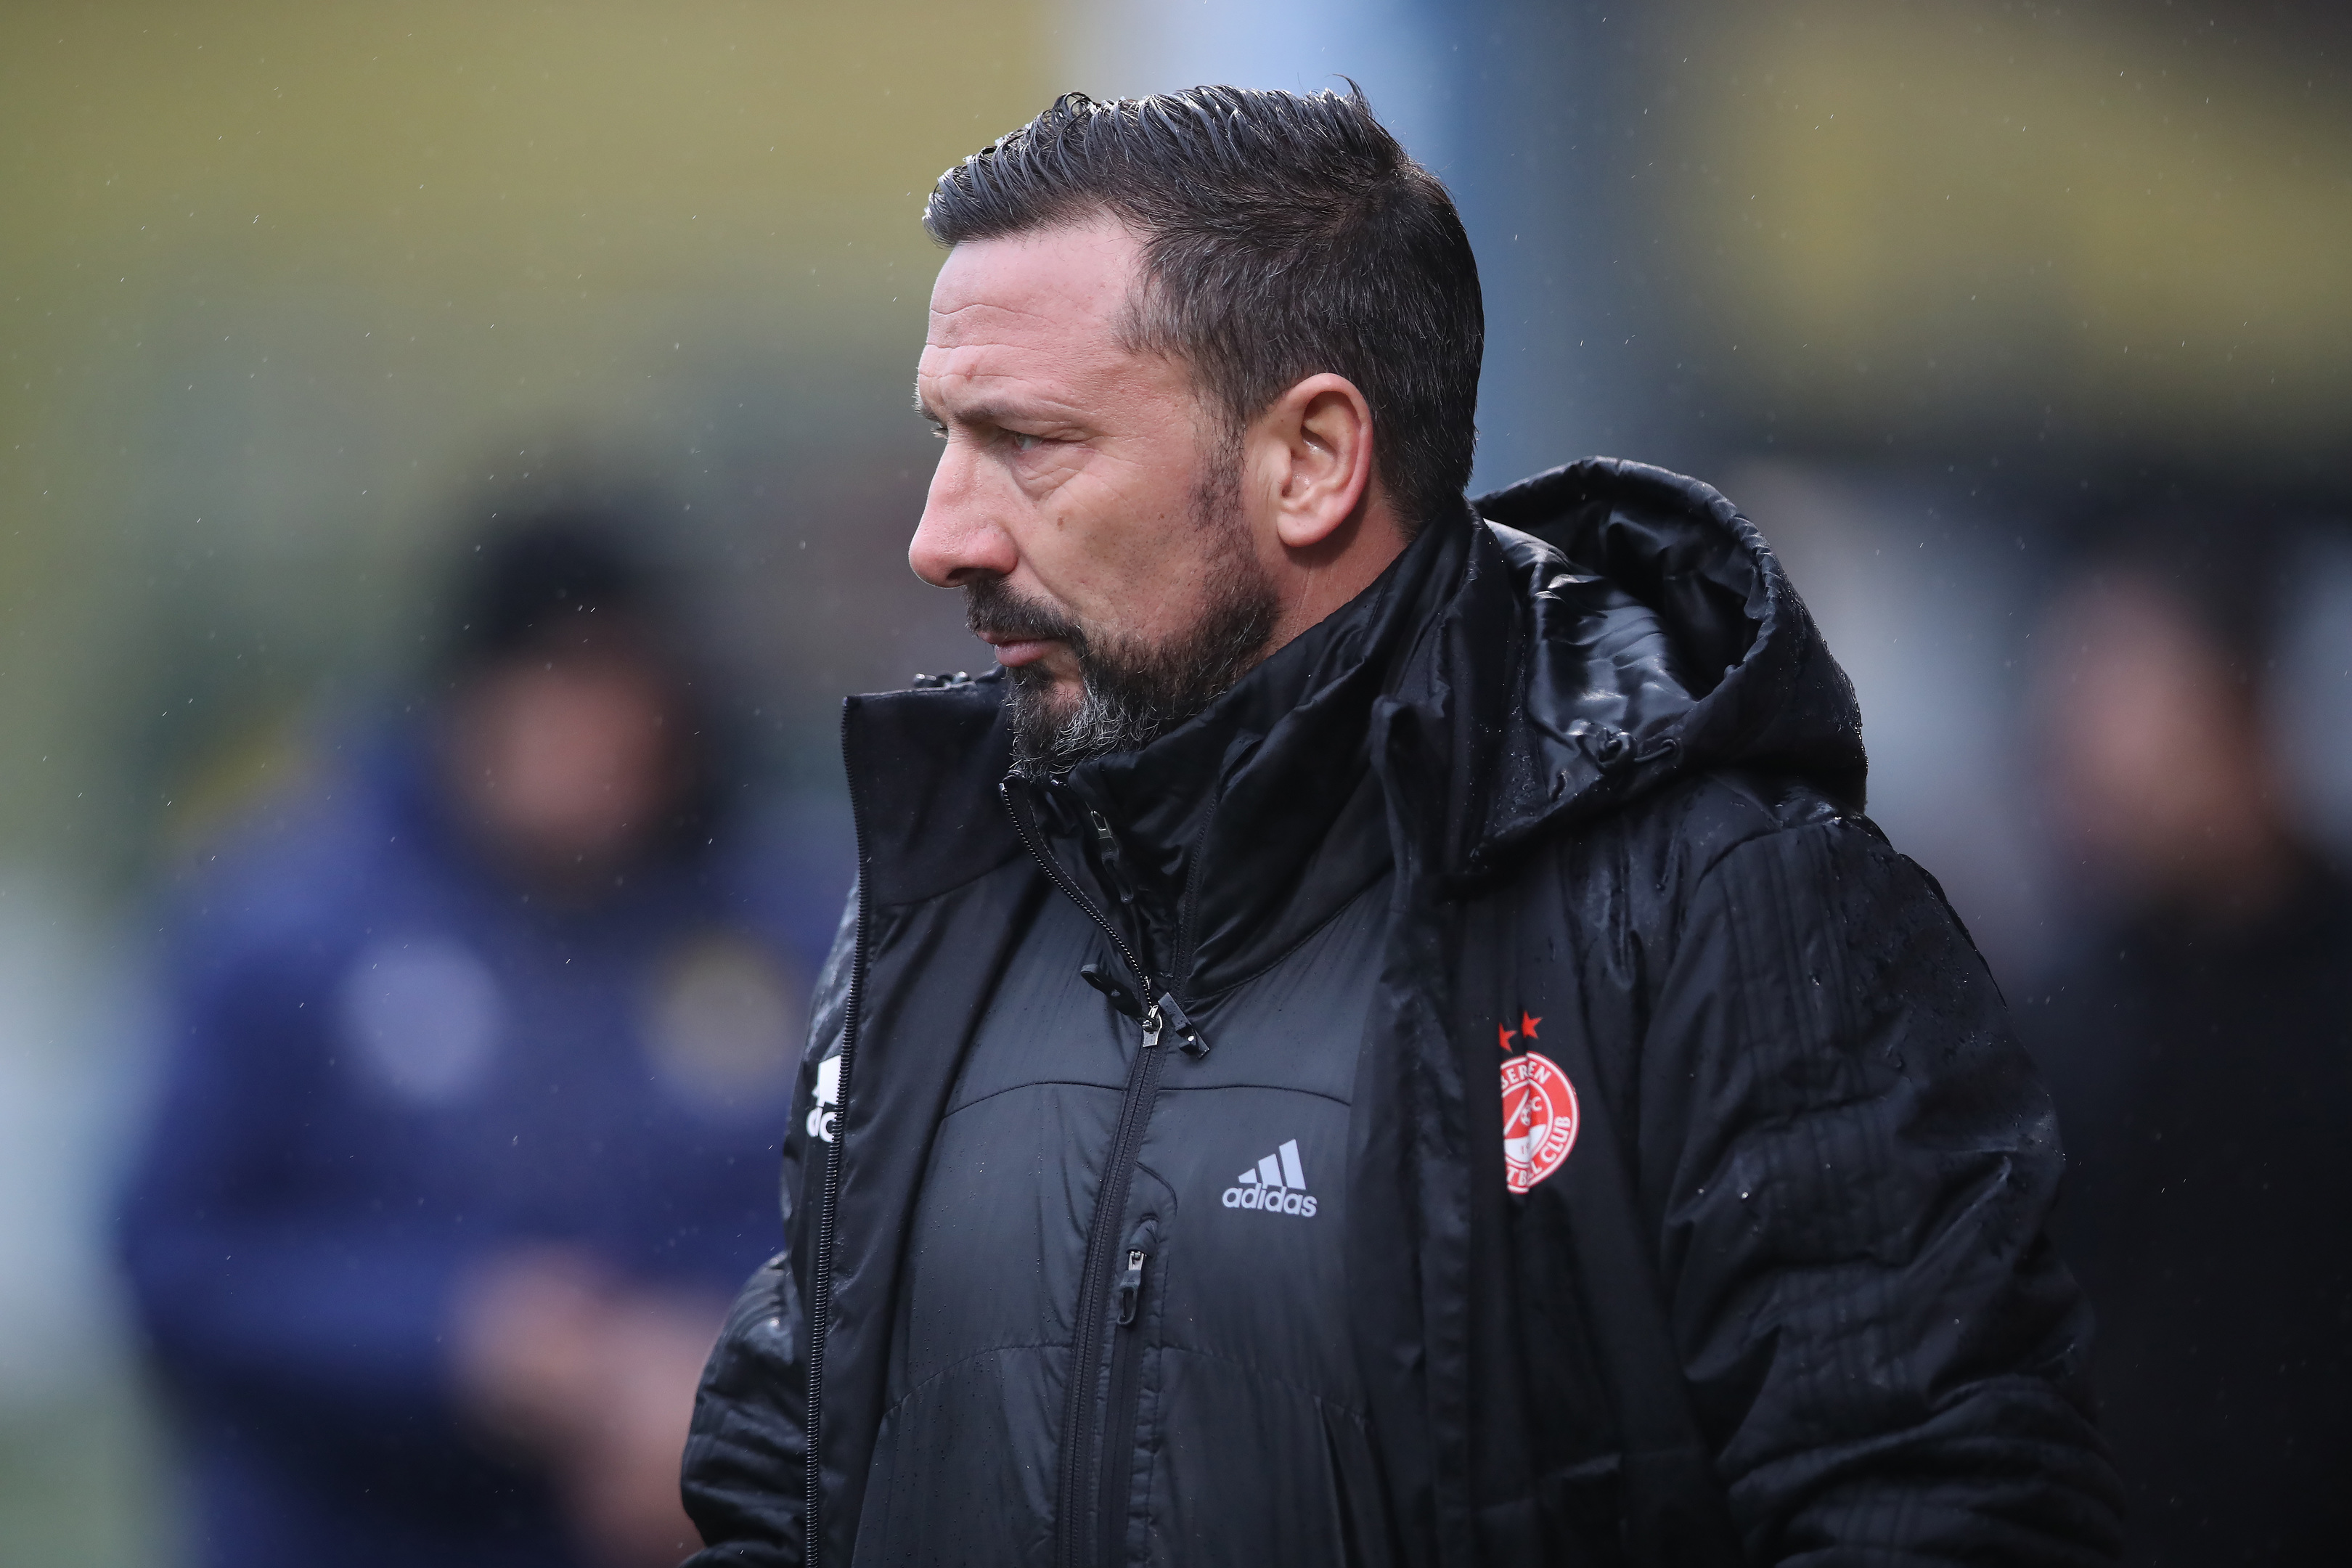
1087	541
1124	539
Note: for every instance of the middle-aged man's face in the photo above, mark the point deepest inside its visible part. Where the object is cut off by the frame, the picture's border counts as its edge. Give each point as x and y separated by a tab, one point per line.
1087	502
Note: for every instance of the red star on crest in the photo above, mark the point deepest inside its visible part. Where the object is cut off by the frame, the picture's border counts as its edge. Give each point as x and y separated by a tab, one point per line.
1506	1031
1527	1025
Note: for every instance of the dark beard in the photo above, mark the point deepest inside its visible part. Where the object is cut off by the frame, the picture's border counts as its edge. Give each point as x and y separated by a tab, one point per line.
1130	694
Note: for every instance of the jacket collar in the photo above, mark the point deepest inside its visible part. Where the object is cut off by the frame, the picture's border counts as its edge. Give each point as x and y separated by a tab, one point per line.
1612	627
1240	831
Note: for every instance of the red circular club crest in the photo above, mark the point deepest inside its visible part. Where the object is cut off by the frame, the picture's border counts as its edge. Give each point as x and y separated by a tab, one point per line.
1538	1120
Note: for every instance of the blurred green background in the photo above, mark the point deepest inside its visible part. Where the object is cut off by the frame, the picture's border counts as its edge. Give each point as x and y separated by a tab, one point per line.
291	294
287	294
288	286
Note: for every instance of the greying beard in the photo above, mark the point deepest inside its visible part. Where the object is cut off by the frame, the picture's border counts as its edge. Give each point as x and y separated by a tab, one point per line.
1130	695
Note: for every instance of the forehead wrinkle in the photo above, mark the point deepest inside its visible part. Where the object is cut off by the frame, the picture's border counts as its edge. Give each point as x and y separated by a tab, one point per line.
1060	375
952	312
981	321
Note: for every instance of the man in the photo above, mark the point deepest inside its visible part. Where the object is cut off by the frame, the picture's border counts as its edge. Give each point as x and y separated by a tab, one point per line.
1376	1036
478	1046
2198	1041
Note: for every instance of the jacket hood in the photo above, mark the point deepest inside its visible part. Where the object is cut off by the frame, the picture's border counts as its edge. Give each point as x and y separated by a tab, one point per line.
1654	635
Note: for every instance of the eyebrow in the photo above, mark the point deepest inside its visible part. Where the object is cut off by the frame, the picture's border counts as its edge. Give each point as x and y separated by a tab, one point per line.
977	413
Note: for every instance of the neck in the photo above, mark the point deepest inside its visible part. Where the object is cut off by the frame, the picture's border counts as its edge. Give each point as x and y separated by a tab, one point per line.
1312	582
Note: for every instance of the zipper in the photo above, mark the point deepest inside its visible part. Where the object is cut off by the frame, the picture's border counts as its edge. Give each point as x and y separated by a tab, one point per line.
1090	1325
1130	1286
820	1295
1069	889
1093	1322
1154	1014
1107	845
1119	1409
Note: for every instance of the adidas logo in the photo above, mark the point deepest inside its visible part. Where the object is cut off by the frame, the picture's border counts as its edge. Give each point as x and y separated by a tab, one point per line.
1277	1185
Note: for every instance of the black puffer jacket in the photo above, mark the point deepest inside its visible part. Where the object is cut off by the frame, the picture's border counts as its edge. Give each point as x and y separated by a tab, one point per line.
1679	1184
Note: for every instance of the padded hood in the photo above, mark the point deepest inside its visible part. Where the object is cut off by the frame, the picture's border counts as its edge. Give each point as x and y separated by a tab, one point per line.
1657	636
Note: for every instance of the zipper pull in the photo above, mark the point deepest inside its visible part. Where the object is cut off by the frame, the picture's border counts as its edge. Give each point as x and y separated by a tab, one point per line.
1189	1038
1151	1024
1130	1285
1107	843
1113	989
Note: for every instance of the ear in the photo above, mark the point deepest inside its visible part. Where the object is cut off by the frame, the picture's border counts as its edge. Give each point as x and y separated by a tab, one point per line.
1318	441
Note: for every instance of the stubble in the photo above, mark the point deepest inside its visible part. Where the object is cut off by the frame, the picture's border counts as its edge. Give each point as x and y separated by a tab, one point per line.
1132	692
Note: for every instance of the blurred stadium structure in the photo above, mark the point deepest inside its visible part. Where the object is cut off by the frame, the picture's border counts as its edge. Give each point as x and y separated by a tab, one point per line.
286	291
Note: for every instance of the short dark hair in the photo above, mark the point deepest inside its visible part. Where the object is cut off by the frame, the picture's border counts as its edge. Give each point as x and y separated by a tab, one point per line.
1284	235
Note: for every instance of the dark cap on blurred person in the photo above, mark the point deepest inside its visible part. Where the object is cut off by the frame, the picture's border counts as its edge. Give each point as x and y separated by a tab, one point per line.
556	576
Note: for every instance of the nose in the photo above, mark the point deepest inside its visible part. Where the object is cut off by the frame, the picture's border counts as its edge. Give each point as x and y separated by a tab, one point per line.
958	538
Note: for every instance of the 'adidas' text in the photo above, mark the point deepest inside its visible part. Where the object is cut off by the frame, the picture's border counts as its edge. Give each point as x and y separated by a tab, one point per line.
1277	1185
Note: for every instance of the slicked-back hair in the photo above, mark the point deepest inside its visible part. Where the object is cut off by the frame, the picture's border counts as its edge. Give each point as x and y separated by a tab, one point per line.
1284	235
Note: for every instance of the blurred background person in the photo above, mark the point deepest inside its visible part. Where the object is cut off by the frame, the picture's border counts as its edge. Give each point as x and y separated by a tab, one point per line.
478	1056
2198	1036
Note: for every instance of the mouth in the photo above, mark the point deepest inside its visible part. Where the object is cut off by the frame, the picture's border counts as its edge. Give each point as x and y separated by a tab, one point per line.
1014	649
1020	629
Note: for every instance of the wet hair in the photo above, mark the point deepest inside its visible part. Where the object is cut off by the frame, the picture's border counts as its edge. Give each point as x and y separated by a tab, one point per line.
1284	235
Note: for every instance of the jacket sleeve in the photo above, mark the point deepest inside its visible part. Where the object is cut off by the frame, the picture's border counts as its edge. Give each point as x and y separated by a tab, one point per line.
744	1473
744	1458
1852	1163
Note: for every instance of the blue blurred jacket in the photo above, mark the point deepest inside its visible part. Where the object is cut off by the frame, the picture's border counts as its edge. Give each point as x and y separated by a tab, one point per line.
385	1061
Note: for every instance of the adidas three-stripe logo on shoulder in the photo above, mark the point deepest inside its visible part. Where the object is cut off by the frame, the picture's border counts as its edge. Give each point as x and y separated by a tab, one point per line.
1276	1184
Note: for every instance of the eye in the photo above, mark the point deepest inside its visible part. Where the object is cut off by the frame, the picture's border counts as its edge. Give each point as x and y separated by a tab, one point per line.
1021	442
